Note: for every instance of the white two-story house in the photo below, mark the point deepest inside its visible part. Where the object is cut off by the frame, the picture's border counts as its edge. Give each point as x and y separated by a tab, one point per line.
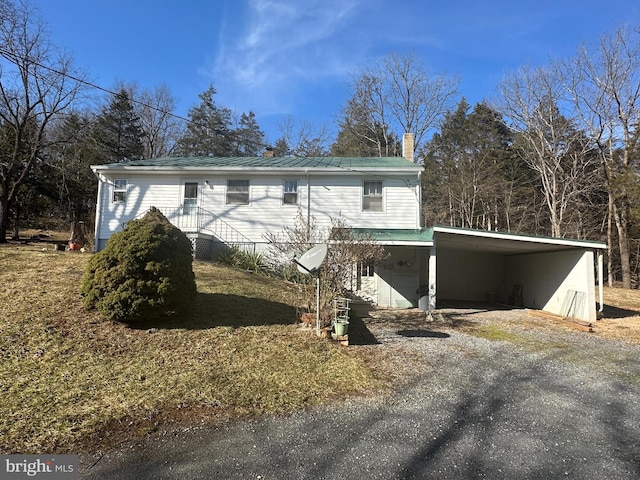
236	201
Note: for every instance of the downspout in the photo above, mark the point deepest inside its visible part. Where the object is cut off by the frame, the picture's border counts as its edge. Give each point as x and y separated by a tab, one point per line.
96	227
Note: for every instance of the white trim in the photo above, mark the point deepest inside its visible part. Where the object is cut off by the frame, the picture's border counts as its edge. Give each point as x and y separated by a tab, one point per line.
521	238
402	243
99	206
388	171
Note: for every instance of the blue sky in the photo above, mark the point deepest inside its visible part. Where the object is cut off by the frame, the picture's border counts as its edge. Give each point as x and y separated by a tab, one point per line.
295	58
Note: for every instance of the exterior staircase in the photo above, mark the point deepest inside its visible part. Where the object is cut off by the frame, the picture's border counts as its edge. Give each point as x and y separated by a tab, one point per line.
208	233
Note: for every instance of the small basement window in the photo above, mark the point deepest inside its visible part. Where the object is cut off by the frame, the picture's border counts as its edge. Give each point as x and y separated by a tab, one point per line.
364	270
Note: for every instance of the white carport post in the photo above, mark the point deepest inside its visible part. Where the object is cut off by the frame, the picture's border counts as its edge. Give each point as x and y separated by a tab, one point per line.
432	279
600	280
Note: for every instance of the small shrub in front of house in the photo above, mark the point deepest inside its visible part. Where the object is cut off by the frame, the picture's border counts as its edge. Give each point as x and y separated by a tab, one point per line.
250	261
145	270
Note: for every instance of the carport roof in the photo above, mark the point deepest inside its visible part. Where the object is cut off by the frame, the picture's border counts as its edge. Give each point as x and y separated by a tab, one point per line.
392	236
506	243
477	240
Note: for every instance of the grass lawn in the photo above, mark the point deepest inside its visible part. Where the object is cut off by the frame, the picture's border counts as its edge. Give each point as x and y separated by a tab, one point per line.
71	381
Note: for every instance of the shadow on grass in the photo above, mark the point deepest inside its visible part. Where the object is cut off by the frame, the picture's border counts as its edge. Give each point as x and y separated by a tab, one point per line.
210	310
616	312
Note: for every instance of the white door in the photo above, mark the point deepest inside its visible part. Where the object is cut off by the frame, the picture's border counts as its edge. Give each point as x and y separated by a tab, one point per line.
190	198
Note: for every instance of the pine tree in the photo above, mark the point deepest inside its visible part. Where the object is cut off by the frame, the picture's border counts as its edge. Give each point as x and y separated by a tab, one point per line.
117	131
248	139
208	132
465	182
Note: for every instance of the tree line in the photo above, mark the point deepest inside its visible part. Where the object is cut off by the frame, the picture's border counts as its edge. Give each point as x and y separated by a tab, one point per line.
554	153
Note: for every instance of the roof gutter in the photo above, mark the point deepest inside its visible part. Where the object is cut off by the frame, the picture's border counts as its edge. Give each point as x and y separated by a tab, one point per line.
115	168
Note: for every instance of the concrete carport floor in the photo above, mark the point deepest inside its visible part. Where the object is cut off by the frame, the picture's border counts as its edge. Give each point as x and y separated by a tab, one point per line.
551	274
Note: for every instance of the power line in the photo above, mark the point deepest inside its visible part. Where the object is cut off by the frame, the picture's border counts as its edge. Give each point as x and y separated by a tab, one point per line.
13	58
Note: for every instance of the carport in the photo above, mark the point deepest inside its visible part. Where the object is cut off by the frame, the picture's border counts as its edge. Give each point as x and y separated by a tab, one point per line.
556	275
429	267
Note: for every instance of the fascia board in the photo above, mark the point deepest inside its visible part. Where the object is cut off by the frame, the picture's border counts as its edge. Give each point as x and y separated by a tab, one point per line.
252	171
522	238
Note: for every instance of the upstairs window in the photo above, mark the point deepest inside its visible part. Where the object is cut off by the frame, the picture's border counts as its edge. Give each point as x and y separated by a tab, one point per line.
120	190
372	197
237	192
290	192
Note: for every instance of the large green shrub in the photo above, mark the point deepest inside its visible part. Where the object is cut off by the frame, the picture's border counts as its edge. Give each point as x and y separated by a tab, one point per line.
144	271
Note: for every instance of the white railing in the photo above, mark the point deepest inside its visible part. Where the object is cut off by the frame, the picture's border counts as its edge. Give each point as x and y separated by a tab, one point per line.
199	220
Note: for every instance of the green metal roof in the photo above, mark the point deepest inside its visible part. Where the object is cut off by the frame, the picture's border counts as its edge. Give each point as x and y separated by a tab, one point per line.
267	163
385	235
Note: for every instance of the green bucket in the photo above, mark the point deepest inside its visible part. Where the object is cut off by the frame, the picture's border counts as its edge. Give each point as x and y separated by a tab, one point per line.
341	328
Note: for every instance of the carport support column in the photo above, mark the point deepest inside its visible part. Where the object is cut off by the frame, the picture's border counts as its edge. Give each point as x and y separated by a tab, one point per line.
432	278
600	280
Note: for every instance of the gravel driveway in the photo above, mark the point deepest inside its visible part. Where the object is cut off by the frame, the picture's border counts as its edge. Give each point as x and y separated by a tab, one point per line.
548	403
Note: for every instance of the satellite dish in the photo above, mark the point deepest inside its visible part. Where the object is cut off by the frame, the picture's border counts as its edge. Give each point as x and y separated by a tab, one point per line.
310	261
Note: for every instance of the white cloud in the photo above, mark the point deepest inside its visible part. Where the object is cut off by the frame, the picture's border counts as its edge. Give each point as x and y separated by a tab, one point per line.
282	46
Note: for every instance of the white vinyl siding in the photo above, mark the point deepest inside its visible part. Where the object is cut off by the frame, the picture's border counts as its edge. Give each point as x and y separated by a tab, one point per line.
327	197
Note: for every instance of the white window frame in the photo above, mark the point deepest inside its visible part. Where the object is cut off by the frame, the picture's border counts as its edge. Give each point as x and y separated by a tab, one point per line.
120	188
238	192
368	196
287	192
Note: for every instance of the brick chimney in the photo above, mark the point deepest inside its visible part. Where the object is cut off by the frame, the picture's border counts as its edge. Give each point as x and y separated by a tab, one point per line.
407	146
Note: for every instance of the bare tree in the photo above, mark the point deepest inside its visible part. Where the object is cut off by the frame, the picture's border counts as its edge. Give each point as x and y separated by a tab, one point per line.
346	250
304	139
160	127
37	84
154	108
605	87
549	142
400	95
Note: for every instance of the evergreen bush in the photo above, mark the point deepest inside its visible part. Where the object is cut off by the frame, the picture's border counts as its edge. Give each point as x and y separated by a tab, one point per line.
144	271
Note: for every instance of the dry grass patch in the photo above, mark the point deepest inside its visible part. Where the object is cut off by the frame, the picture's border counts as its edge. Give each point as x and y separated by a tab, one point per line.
622	315
69	379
